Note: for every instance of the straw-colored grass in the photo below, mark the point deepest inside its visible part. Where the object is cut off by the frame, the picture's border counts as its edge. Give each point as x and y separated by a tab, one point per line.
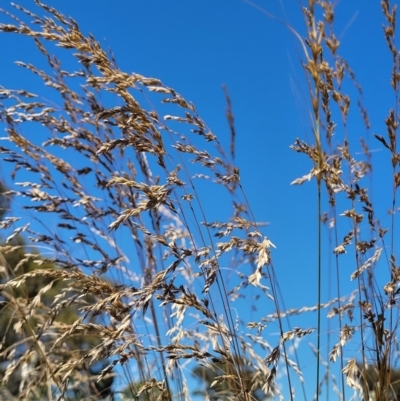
115	198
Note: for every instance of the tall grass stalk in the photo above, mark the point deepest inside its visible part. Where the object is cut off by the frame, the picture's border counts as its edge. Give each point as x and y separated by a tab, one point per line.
112	189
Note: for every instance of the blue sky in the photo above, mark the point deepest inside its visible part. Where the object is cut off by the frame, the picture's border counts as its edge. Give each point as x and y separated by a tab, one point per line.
196	47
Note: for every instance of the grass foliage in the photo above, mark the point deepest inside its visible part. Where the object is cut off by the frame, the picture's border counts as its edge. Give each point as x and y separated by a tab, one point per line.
111	186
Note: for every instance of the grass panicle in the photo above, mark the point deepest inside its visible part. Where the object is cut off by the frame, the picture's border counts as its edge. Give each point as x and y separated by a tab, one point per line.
123	262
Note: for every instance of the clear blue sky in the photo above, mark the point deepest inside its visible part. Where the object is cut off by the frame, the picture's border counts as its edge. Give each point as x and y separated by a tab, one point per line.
198	46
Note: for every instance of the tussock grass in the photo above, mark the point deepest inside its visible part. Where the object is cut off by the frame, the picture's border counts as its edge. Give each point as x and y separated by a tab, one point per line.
125	187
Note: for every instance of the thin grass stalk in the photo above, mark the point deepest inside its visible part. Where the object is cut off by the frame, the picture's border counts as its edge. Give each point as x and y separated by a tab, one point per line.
339	303
303	388
319	285
393	141
275	295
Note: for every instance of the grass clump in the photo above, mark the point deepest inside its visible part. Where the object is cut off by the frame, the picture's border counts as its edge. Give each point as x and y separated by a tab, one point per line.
125	184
